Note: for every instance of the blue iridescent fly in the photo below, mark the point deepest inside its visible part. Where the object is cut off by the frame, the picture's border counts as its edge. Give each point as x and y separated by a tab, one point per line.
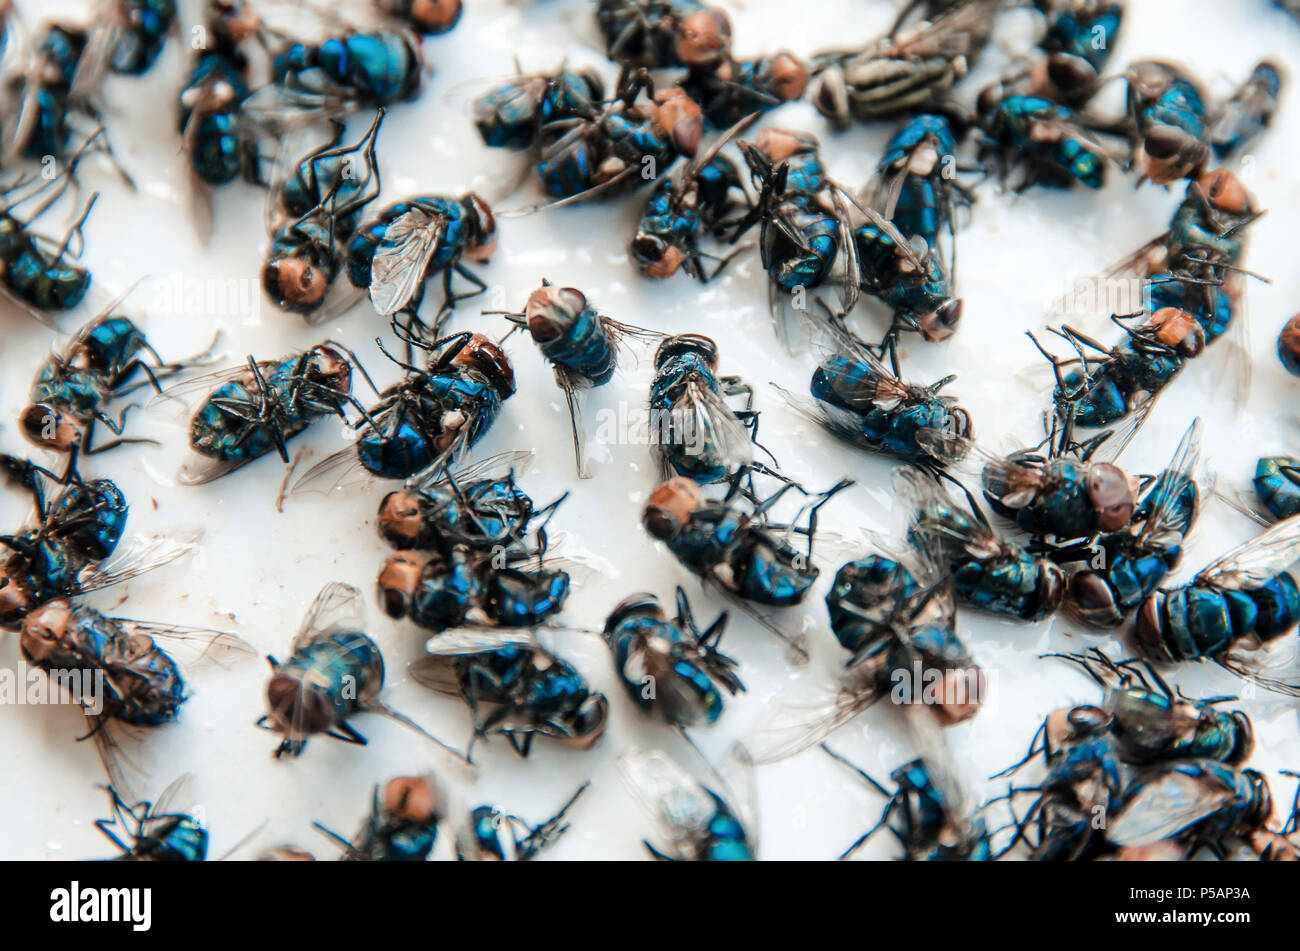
911	69
670	668
477	506
1288	346
932	819
658	34
1090	752
1277	485
219	142
734	543
909	276
143	685
1073	50
915	185
165	830
70	548
801	230
696	822
1243	597
402	825
899	626
684	209
1169	113
408	243
335	672
39	274
580	343
474	580
1104	384
1150	722
513	114
313	214
72	389
1048	141
1111	572
1074	489
989	572
352	71
1191	805
865	403
55	94
514	687
1248	114
255	408
695	433
1083	778
428	420
733	89
617	147
142	29
488	834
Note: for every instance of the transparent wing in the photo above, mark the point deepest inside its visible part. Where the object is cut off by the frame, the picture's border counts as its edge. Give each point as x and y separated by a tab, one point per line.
1166	507
136	557
736	770
961	31
120	768
195	646
471	640
401	259
339	470
705	418
484	468
932	747
200	470
1163	808
680	806
338	607
921	494
207	383
1274	666
1259	560
92	64
177	799
790	729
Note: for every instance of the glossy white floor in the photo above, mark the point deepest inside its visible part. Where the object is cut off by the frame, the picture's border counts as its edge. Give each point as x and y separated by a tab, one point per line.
259	569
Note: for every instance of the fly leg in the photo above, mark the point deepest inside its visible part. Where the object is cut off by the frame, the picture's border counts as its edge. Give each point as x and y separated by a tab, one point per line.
116	428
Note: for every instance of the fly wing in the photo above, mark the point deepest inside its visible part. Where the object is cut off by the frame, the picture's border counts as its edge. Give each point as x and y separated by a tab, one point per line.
471	640
704	417
484	468
197	646
680	806
920	493
437	674
341	470
1165	497
1258	561
208	383
338	607
1164	808
93	63
136	557
791	728
177	799
1275	666
738	779
399	265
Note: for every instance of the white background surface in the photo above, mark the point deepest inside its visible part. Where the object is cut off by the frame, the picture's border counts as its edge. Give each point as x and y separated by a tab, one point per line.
259	570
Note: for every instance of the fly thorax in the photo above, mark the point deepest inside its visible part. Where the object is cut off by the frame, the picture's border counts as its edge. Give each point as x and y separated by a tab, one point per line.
923	161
